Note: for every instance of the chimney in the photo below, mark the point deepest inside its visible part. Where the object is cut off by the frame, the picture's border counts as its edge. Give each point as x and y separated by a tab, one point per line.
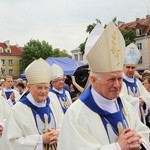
120	23
7	43
17	45
147	16
137	19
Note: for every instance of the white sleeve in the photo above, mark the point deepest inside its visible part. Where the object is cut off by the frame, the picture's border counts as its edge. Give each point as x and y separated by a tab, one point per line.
40	144
10	103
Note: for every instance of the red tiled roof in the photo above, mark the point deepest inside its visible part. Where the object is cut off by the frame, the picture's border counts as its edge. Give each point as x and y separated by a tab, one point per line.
15	50
133	24
128	25
145	22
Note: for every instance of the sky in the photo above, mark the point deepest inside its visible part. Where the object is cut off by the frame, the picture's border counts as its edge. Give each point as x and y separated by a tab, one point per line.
62	23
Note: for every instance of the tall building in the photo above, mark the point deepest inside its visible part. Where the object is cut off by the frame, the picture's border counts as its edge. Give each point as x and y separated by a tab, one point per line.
10	56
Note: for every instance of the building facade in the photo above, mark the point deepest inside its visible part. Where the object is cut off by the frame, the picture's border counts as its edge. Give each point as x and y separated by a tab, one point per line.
142	40
77	55
10	56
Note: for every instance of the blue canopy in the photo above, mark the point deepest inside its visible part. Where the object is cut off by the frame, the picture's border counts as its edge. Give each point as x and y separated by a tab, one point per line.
67	64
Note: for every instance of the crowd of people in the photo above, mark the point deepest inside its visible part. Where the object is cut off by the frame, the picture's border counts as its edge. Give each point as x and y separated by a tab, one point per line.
111	112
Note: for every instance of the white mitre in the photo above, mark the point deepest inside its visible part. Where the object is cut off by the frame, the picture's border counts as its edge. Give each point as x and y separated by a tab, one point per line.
132	55
93	37
107	54
39	71
57	72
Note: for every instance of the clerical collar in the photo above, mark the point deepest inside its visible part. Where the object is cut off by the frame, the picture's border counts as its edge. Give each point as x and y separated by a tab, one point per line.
31	99
59	91
128	79
105	104
6	90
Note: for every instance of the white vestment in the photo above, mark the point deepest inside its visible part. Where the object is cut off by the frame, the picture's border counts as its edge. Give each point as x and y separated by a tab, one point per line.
4	109
16	94
144	94
82	129
21	132
134	100
55	100
4	112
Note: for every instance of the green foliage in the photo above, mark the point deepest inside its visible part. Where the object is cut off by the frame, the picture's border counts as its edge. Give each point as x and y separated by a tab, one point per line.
88	30
82	46
35	49
129	35
91	26
58	53
115	19
64	54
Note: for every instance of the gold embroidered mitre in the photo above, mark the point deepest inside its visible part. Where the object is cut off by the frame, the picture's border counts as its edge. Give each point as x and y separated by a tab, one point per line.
107	54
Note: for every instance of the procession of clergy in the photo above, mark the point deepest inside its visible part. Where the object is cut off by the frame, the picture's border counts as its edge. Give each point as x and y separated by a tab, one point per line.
109	113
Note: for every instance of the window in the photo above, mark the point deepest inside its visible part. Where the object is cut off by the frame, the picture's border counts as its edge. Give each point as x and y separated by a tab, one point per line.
3	62
76	57
138	32
139	45
8	50
11	72
1	50
80	57
10	62
3	71
140	61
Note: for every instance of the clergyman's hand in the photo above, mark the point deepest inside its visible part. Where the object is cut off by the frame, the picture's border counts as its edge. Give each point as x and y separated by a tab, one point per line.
129	140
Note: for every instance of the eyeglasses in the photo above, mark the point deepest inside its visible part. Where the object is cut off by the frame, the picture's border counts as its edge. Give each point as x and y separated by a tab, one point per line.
59	80
41	87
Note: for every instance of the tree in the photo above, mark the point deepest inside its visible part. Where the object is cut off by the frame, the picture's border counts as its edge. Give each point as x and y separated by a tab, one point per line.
129	35
82	46
35	49
91	26
58	53
89	30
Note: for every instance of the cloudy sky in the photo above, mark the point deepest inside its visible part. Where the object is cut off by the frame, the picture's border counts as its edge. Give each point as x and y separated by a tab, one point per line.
62	23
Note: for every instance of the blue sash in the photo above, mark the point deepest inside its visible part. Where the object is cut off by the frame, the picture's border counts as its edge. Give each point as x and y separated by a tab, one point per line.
113	119
132	88
38	110
62	99
8	93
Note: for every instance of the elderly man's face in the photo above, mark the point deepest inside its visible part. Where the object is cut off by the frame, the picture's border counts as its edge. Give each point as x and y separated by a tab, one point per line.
39	91
129	70
58	83
108	84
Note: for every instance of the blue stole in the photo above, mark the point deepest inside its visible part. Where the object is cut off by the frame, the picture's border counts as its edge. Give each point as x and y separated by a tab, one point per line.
38	110
132	88
62	99
8	93
107	118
